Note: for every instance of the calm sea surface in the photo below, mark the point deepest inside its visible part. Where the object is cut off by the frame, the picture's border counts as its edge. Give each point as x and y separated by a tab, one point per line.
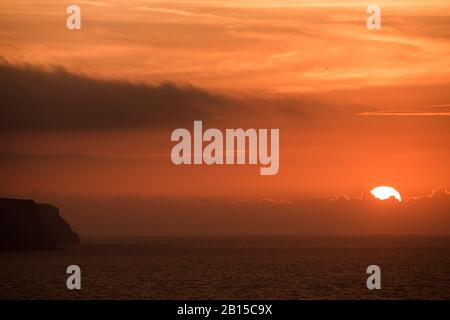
234	268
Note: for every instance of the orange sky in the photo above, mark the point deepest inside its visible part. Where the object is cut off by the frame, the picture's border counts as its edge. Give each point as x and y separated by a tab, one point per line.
318	55
276	46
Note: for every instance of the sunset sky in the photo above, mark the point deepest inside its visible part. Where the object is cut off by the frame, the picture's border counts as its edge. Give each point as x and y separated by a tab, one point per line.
90	111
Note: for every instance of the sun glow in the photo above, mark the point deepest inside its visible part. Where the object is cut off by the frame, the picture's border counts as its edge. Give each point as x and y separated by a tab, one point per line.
385	192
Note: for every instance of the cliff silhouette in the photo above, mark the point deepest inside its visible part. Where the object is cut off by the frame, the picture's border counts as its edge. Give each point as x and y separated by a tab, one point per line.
59	229
26	225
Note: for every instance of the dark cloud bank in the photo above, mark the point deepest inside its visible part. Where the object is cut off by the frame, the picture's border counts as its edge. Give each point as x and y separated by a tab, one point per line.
37	100
34	99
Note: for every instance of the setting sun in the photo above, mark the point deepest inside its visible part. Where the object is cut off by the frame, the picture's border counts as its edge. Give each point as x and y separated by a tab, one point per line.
384	192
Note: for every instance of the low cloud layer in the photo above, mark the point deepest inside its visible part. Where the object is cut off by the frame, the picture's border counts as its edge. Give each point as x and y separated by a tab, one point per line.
158	216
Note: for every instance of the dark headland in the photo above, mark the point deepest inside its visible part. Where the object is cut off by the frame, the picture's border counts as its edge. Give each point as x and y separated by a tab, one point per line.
26	225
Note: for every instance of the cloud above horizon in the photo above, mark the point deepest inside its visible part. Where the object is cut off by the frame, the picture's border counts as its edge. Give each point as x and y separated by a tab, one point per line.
48	100
57	100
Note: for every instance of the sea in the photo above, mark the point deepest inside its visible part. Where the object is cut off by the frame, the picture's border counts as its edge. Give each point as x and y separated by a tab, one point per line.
241	267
